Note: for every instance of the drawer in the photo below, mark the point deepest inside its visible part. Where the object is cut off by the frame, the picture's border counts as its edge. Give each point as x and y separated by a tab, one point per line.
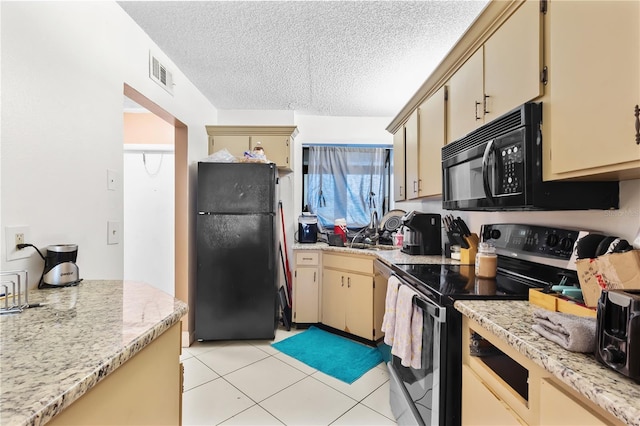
304	257
348	263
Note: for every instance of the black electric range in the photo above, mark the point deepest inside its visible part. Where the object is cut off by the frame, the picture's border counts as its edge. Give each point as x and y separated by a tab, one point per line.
529	256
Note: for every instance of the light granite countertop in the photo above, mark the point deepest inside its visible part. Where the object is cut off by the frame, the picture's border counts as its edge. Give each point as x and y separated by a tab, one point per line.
512	321
52	355
387	255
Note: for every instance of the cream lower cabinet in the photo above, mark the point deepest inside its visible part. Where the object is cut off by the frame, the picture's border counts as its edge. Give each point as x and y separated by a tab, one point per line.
277	141
306	287
589	124
349	295
482	406
505	388
145	390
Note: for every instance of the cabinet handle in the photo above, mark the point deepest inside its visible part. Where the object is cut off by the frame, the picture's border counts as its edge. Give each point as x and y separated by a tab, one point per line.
419	184
637	115
342	279
477	105
314	276
348	282
415	187
485	104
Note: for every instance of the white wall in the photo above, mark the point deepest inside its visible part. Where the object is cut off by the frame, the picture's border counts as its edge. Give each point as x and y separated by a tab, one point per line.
149	215
624	223
64	65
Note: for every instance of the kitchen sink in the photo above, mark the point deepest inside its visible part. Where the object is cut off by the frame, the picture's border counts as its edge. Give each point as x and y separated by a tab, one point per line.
364	246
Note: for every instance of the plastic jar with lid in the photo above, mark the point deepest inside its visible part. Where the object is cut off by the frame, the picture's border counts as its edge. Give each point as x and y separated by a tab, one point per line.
486	261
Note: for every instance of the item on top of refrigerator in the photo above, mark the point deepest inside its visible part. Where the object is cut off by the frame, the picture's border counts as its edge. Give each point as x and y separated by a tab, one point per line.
221	156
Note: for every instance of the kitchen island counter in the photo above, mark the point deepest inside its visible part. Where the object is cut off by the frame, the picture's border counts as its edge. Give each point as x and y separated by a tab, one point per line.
511	321
54	354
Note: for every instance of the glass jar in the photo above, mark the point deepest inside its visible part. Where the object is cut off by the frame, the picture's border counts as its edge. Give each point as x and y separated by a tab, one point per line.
486	261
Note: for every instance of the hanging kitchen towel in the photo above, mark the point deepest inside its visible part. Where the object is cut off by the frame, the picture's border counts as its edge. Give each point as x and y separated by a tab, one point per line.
389	318
407	338
572	332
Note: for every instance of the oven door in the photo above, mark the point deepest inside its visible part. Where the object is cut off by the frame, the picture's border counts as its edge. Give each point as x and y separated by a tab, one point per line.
416	395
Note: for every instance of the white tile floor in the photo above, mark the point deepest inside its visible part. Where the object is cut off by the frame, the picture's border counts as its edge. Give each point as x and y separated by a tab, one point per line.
251	383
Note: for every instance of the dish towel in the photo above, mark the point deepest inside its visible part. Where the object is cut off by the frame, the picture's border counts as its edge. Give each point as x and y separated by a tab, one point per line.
407	337
389	318
572	332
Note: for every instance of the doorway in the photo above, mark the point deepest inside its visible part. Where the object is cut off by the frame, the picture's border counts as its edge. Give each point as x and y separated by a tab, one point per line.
149	183
181	229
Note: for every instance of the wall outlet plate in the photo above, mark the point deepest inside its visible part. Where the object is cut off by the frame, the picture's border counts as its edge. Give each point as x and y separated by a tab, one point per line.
113	232
112	180
11	234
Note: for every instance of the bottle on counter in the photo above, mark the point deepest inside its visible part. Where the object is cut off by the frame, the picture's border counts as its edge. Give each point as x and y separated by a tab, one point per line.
486	261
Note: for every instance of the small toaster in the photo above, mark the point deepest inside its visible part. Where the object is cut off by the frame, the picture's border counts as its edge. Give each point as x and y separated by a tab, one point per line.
618	331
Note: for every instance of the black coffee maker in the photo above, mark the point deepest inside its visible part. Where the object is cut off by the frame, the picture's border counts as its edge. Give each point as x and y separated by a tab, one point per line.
422	233
618	331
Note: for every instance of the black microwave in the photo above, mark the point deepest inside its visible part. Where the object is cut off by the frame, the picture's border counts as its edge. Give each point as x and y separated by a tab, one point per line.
499	167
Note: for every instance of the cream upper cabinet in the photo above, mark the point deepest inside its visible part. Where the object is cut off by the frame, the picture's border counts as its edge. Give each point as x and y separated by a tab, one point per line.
399	180
501	75
431	139
513	62
466	97
594	78
411	149
236	145
276	141
276	148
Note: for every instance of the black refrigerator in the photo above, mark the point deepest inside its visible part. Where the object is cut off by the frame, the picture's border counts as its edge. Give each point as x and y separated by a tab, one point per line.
236	243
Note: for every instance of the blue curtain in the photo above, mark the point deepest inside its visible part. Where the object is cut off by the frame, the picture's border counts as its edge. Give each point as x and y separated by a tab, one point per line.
345	182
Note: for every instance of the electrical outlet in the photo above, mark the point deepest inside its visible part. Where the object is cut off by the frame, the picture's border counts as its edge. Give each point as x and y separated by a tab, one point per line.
13	236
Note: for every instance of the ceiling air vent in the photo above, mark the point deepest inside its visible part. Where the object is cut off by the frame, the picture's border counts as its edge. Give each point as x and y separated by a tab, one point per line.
160	74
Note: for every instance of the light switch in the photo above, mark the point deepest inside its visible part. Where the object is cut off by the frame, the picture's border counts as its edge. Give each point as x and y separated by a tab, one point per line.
112	180
113	232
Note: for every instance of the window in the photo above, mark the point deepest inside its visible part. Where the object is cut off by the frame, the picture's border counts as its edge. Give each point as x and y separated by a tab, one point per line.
346	182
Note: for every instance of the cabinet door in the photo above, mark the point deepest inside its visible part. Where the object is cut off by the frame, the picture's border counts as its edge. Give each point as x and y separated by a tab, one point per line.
432	124
333	298
480	406
359	310
236	145
512	69
276	148
411	132
305	295
466	98
594	78
399	188
557	408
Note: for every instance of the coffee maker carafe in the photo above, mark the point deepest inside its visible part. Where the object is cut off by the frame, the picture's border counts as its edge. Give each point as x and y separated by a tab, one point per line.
422	234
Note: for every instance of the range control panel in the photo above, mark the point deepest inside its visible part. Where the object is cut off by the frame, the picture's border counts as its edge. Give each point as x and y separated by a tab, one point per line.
536	240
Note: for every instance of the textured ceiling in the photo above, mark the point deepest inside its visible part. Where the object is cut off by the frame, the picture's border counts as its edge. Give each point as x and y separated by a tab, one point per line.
345	58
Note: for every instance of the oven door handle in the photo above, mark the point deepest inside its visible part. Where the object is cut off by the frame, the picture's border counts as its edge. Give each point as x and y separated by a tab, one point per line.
439	313
485	170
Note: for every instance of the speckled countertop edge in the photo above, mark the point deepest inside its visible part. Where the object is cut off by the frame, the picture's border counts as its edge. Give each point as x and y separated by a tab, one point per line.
512	321
388	256
36	387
